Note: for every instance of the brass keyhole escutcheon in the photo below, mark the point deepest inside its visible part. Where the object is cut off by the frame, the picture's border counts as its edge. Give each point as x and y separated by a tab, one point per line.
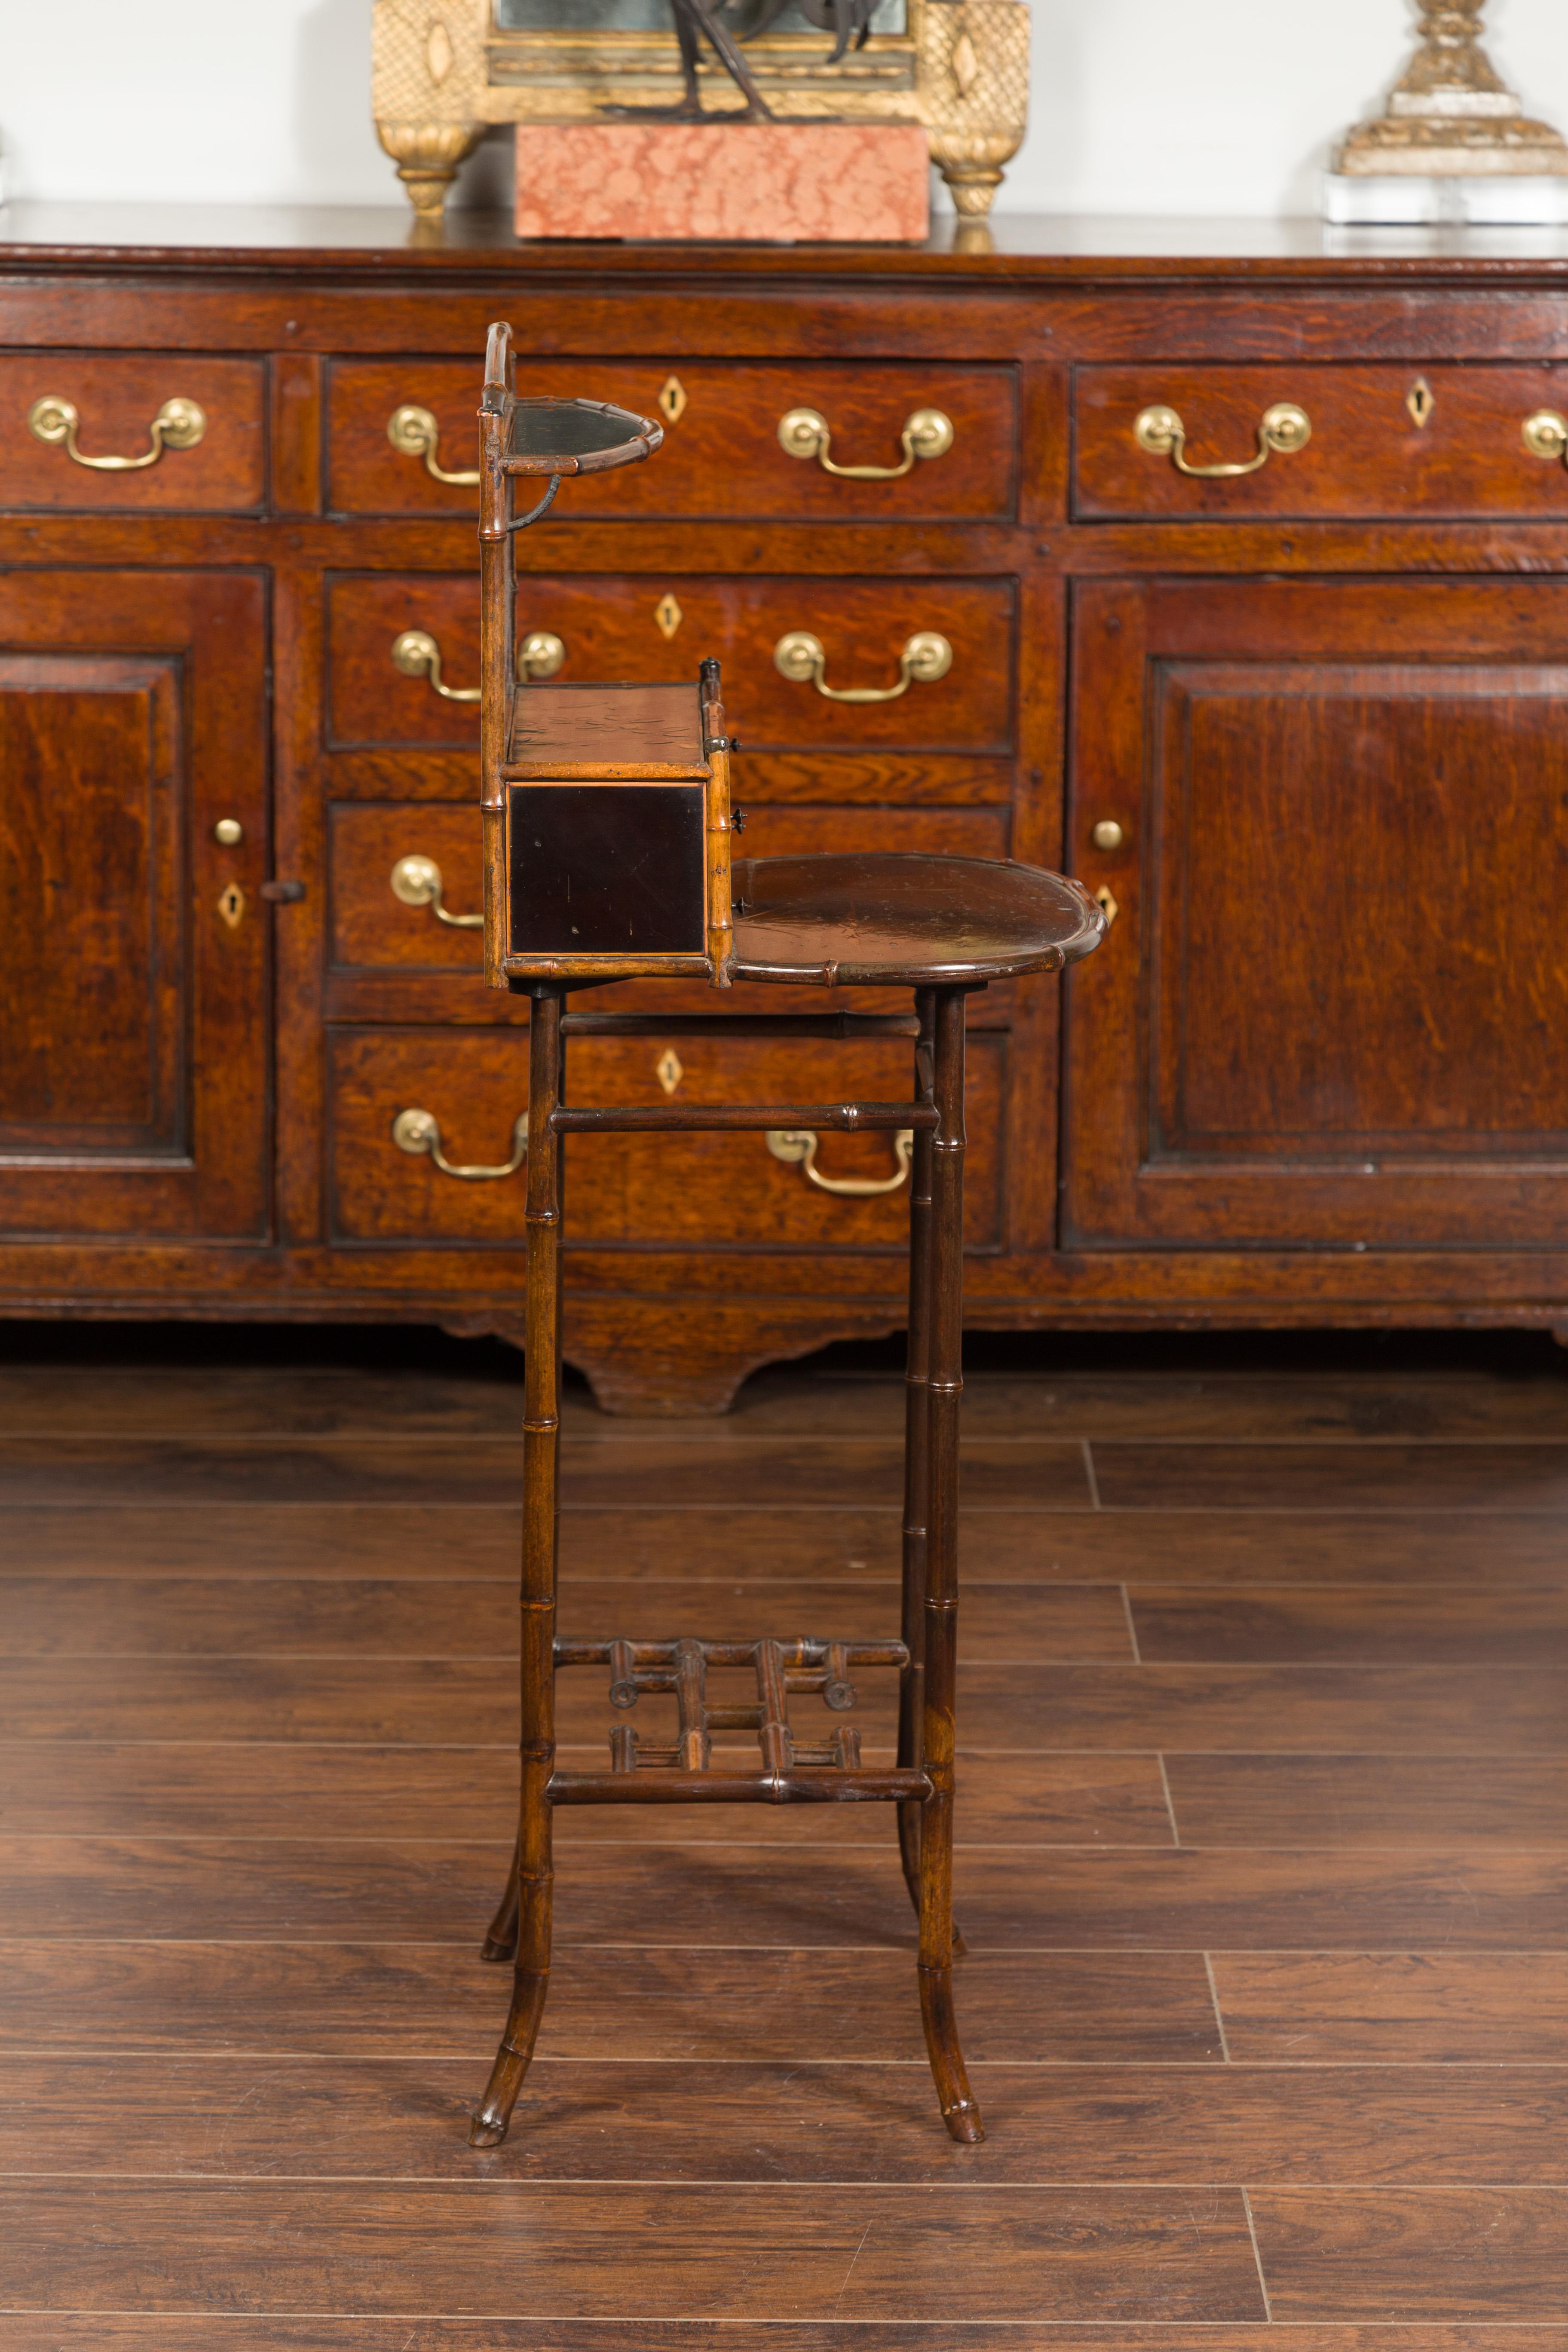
671	402
669	615
231	905
1105	900
1421	400
670	1070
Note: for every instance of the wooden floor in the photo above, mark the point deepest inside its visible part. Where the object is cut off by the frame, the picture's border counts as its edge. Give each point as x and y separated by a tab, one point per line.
1263	1828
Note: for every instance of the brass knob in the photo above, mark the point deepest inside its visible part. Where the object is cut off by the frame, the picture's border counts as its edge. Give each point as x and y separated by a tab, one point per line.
413	433
541	654
229	831
1108	834
1546	434
416	882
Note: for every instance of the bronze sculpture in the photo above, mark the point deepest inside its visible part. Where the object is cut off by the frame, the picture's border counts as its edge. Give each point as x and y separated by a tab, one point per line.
725	27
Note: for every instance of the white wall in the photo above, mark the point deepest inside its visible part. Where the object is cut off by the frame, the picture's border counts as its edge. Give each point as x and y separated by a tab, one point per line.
1214	105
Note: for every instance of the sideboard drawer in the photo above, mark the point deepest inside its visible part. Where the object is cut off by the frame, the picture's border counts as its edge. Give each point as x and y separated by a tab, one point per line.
104	406
406	887
722	455
656	628
1369	454
689	1190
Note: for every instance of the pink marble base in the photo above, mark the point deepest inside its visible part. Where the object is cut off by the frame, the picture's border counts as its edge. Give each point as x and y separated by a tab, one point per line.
801	183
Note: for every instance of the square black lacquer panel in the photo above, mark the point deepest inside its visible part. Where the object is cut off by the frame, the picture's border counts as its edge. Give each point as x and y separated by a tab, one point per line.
607	869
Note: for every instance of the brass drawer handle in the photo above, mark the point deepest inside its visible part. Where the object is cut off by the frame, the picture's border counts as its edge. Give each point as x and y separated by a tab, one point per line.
413	433
179	425
796	1146
1284	428
416	654
416	881
1546	434
800	657
416	1131
805	432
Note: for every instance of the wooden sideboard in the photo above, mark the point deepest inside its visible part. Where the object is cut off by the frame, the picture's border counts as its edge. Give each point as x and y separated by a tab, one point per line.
1318	1073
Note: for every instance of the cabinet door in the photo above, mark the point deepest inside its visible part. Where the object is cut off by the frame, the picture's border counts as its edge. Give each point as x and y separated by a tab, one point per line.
133	951
1334	1007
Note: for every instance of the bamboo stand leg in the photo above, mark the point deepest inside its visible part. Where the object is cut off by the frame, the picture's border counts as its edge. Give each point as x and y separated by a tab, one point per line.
944	1393
542	1449
917	1457
501	1935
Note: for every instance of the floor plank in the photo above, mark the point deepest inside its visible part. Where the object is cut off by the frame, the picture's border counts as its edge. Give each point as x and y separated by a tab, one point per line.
1436	1624
786	2007
1394	2008
406	2118
462	1540
720	2253
1403	2253
762	1472
1478	1711
398	1617
1379	1800
673	1895
230	2332
1497	1475
173	1790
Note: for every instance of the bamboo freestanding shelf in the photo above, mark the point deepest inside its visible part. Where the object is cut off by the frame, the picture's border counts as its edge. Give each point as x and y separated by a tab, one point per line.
607	857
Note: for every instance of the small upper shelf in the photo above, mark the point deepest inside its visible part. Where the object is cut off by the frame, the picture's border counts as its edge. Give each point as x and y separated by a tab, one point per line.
576	436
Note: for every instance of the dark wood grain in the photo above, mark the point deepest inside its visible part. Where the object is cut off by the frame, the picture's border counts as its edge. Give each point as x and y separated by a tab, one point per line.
688	1190
402	1617
227	2118
1371	1799
176	1789
116	397
1438	1626
608	628
1294	1477
1398	2008
132	718
456	1540
1367	455
637	2003
1128	1897
1507	1711
721	458
878	2256
235	2332
1457	2253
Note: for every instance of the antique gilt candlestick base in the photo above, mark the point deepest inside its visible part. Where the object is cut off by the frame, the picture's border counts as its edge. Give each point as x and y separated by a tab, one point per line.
1450	119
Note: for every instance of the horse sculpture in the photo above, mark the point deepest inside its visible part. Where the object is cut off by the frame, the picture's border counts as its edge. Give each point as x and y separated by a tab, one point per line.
726	24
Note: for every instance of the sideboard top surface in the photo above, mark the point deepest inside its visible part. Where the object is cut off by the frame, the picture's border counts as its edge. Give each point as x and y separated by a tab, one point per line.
1024	248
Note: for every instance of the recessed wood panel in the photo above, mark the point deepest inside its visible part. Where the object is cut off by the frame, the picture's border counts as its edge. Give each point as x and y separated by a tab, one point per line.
1333	1008
91	820
133	1057
1367	456
687	1190
610	629
721	454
